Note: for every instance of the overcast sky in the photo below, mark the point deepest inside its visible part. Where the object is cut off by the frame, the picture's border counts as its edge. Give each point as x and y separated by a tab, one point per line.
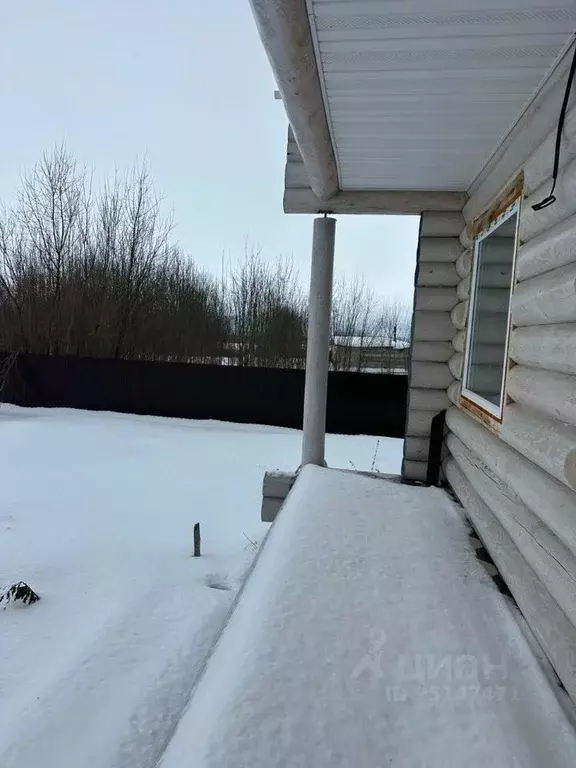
186	84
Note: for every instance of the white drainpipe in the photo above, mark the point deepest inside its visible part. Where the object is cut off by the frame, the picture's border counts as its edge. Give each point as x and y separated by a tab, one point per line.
317	351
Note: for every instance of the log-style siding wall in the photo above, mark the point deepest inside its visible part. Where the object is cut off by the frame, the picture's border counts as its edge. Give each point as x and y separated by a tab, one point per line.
517	481
433	329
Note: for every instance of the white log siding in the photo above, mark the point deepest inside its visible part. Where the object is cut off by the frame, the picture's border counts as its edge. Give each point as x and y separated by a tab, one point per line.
455	392
547	442
552	249
438	273
441	224
416	449
533	222
517	479
552	501
463	288
550	624
432	326
459	341
434	300
413	470
419	420
459	315
547	298
464	264
551	347
438	249
545	553
432	351
456	365
431	399
430	375
547	391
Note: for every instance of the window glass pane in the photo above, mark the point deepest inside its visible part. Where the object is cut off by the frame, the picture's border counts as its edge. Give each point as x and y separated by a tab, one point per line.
490	309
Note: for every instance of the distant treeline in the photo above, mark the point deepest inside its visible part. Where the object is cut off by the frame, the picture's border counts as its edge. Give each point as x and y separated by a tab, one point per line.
95	274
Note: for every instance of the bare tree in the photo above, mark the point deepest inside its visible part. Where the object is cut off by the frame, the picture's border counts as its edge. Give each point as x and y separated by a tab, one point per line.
267	312
395	325
50	210
12	268
357	324
143	244
96	274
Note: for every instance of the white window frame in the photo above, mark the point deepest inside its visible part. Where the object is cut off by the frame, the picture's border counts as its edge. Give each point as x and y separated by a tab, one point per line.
492	410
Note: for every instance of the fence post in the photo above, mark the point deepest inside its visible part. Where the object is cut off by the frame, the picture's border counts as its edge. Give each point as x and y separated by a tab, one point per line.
197	540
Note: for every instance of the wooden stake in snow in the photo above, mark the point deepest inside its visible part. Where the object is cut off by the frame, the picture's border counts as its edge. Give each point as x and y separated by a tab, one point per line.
197	540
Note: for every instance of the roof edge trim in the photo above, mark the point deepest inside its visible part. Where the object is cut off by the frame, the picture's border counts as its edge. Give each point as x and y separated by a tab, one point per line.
284	29
410	202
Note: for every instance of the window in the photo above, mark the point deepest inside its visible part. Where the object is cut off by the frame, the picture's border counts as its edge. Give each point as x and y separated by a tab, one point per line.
486	360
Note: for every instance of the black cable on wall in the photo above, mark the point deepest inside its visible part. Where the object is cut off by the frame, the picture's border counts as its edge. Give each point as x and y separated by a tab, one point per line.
551	198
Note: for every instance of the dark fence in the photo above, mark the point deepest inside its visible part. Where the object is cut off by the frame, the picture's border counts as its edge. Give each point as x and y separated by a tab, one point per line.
358	403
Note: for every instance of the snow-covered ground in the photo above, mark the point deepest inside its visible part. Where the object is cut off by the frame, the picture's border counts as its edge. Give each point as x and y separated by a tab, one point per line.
370	635
96	514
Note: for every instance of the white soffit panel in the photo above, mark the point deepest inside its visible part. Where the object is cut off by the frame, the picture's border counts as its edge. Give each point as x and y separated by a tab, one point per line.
419	93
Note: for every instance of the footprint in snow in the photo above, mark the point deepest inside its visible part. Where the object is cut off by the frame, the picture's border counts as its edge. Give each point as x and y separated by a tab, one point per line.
218	581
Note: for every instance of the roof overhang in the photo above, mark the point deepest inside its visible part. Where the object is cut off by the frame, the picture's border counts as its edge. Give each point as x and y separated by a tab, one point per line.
408	106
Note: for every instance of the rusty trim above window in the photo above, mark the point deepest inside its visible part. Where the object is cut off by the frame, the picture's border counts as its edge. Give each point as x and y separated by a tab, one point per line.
511	193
